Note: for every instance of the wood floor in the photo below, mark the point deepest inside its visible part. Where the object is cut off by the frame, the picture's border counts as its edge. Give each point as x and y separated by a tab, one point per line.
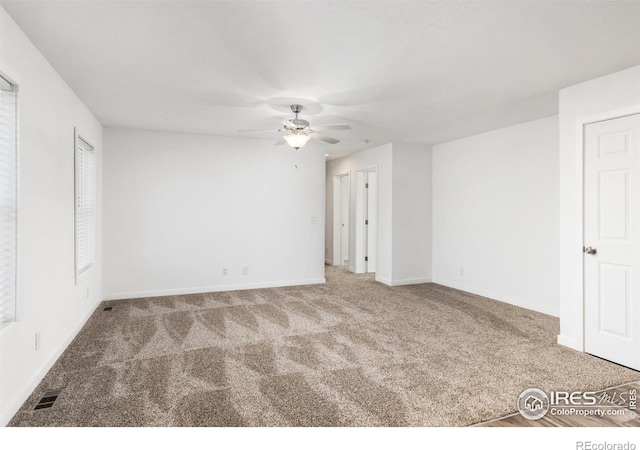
613	416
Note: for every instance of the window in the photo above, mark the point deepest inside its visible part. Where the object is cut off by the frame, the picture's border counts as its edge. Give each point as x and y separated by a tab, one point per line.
8	198
85	206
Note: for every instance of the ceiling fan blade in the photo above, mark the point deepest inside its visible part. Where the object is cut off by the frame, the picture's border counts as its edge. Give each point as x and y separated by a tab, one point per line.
280	141
333	126
328	140
250	131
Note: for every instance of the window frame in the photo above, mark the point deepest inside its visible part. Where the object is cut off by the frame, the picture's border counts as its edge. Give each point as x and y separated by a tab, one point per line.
81	271
16	90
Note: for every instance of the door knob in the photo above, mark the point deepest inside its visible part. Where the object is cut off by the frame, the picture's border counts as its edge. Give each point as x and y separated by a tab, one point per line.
590	250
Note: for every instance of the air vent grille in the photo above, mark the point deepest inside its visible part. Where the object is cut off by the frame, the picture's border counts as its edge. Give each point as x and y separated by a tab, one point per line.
48	399
43	406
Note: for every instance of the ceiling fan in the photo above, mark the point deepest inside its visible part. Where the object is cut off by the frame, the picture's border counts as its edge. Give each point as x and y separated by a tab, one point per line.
297	132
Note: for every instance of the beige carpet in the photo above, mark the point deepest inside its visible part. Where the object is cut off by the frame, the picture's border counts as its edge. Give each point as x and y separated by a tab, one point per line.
352	352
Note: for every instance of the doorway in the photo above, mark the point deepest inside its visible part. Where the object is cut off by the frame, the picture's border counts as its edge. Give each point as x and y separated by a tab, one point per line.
612	240
341	212
366	221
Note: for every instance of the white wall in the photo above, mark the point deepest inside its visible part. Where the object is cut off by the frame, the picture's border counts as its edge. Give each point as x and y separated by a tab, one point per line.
179	208
49	301
603	98
412	222
404	210
379	158
495	214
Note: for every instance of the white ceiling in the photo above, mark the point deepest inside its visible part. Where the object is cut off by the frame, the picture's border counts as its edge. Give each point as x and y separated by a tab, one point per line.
411	71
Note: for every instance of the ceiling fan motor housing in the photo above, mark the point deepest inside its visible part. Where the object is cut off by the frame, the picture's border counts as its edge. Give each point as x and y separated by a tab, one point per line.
299	123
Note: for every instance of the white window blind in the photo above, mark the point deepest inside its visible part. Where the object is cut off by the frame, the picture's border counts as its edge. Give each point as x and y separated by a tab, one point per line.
85	206
8	201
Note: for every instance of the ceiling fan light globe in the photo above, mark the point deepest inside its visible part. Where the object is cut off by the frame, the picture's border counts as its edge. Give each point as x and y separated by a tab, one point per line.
296	140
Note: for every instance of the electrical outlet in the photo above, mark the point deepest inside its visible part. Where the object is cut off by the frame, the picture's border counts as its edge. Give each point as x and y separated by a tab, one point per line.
314	220
461	271
245	271
88	293
37	340
225	272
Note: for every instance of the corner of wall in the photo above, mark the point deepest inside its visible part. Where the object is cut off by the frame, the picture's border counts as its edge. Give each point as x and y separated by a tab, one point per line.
571	342
412	218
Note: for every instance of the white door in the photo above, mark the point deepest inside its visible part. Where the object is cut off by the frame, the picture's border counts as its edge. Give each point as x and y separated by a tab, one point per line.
366	221
359	227
344	218
612	240
372	221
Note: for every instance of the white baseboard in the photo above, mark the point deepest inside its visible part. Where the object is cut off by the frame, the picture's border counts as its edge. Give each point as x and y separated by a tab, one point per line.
571	342
205	289
22	396
404	282
409	281
544	309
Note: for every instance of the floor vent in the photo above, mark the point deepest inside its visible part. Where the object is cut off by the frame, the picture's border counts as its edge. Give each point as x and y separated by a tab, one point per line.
108	308
43	406
47	400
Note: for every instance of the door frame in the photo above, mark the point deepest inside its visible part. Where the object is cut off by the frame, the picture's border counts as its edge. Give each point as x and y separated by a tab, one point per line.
337	216
359	226
580	130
